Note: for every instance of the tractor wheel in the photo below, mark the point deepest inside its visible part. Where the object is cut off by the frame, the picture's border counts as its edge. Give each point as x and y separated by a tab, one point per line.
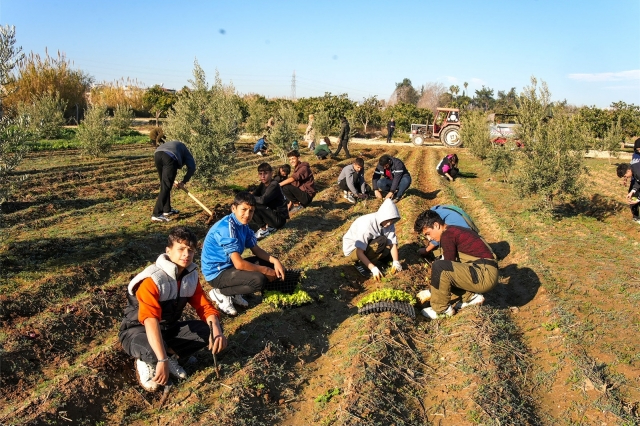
418	140
450	137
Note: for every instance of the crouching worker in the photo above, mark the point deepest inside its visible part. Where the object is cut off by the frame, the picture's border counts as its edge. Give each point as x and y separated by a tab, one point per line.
271	211
468	269
391	176
372	238
351	181
450	215
261	147
448	167
322	151
223	267
300	187
151	330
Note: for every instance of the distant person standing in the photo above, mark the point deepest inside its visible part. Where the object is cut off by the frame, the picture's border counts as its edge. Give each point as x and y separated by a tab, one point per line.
343	137
310	134
391	127
169	157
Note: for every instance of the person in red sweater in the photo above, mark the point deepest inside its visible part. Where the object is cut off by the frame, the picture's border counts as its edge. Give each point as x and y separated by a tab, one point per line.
468	269
151	330
300	188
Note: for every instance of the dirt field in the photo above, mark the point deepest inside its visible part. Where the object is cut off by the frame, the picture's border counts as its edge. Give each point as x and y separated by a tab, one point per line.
557	343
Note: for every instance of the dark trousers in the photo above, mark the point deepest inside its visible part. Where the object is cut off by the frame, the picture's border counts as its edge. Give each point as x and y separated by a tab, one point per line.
389	135
296	195
343	185
264	216
183	337
167	170
384	185
342	145
635	208
232	281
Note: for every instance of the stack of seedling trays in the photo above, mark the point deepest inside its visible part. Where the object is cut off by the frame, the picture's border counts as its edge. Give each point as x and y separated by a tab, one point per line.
388	300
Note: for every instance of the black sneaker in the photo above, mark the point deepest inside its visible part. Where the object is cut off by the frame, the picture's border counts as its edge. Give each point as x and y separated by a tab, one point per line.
171	212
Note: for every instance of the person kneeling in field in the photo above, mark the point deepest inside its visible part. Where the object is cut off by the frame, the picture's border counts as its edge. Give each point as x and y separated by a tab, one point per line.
372	238
271	211
300	187
351	181
469	267
451	215
151	330
223	267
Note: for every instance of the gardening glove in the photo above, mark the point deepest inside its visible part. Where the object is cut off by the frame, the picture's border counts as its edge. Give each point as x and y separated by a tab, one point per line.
396	267
375	272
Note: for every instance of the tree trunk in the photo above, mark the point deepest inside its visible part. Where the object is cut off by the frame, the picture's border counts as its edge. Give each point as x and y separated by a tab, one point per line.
157	116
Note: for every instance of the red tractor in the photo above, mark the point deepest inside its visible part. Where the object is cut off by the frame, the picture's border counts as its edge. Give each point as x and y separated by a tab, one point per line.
446	126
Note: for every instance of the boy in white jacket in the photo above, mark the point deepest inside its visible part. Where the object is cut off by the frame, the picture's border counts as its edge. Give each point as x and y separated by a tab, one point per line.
372	237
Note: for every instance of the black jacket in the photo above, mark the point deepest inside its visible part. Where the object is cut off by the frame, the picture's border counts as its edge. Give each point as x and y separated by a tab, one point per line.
272	197
397	171
344	131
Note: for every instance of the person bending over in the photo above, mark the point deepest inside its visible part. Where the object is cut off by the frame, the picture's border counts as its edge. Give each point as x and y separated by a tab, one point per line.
448	167
223	267
372	238
151	330
300	187
271	211
169	157
392	177
351	181
468	269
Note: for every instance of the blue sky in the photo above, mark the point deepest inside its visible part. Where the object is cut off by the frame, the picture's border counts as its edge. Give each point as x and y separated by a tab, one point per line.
588	52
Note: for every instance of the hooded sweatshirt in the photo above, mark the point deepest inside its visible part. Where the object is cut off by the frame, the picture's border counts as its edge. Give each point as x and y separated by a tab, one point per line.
367	227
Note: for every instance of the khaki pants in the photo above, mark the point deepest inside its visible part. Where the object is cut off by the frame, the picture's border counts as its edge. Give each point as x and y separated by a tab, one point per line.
376	250
460	278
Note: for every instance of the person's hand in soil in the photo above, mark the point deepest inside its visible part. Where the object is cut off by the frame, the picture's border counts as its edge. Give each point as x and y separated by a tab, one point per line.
378	194
389	195
162	373
217	344
376	274
179	185
422	252
362	196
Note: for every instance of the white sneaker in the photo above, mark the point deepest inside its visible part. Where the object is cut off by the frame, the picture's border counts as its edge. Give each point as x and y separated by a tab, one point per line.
161	218
175	369
239	300
345	194
146	373
476	299
350	199
430	313
261	233
225	304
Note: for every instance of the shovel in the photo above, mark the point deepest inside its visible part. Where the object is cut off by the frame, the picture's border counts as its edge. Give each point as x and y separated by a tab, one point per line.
201	205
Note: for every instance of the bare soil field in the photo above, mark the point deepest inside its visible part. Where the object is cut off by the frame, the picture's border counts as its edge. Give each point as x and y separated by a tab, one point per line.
557	343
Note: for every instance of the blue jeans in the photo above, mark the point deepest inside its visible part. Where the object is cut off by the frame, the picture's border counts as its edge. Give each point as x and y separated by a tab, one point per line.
384	185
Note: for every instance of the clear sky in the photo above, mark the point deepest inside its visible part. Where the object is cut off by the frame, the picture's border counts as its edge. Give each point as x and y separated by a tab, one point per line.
587	51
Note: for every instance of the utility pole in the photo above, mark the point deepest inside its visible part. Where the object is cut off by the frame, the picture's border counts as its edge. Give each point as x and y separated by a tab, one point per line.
293	86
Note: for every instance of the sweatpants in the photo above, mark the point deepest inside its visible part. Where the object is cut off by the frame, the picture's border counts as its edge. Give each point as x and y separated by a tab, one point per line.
377	249
384	185
233	281
389	135
264	216
296	195
183	337
342	145
462	279
167	170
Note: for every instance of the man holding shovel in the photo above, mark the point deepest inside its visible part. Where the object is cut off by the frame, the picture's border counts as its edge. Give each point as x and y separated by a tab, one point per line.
169	157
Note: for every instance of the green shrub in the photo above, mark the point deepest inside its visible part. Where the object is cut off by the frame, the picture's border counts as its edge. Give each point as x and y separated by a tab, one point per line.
552	161
282	300
257	117
207	120
13	147
93	133
284	132
322	124
501	160
474	133
45	115
122	120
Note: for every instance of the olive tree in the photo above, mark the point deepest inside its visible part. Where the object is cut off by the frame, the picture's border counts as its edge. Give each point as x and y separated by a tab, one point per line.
122	120
284	131
551	164
474	131
258	116
208	121
45	115
93	132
